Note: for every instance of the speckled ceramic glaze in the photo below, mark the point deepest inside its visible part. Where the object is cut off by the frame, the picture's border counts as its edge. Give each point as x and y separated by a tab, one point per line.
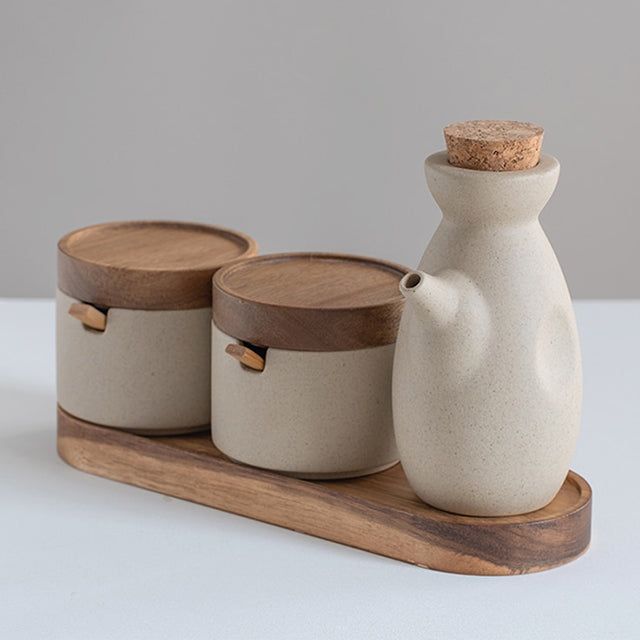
487	377
310	414
149	371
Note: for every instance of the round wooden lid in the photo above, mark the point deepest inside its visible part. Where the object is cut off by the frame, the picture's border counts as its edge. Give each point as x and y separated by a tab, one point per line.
309	301
147	264
494	145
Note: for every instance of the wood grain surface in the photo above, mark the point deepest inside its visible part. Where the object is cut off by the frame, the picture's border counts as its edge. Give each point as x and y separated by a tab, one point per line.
147	264
494	145
309	301
378	513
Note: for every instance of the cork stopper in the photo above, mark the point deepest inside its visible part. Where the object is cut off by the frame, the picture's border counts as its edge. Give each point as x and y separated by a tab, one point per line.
494	145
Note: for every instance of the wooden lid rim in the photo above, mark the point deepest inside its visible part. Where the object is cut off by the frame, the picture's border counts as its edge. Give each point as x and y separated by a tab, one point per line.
144	288
306	328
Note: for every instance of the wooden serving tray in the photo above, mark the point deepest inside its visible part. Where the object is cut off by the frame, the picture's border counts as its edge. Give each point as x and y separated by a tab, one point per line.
378	513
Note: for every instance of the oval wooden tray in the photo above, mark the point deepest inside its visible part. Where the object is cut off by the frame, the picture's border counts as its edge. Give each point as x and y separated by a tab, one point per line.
378	513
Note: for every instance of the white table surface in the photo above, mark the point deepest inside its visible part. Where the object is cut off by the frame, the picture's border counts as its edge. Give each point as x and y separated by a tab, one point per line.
84	557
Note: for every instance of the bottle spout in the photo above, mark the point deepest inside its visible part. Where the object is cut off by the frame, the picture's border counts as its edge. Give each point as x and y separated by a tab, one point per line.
433	298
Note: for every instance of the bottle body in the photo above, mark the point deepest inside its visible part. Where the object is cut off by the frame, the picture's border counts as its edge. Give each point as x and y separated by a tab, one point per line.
487	406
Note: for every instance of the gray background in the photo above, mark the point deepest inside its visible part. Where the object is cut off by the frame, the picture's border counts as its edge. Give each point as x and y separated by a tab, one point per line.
306	124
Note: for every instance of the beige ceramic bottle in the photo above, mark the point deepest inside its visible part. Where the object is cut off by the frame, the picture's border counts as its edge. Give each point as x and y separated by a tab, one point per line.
487	382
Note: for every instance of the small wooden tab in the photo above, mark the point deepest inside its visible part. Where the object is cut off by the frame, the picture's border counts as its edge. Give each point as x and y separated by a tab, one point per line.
245	356
89	316
494	145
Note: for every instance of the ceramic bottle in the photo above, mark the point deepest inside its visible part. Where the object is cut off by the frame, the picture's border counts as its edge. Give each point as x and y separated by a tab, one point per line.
487	380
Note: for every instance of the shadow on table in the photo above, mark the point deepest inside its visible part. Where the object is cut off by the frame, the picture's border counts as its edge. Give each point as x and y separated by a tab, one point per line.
28	427
28	454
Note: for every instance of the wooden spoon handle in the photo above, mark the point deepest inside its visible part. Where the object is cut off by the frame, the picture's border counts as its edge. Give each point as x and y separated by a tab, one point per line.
246	356
88	315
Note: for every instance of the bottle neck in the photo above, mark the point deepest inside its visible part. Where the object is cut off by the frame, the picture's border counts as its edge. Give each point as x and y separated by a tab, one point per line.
502	198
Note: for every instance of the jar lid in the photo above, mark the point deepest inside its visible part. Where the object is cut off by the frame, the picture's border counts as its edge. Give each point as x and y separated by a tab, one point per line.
147	264
309	301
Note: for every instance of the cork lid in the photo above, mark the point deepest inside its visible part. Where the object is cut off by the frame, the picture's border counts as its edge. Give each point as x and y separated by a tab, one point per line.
309	301
147	264
494	145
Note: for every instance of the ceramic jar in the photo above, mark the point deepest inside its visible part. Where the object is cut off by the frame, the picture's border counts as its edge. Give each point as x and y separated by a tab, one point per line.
133	323
487	380
325	327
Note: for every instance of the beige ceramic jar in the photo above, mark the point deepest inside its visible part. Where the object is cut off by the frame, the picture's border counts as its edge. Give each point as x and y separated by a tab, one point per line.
315	335
133	323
